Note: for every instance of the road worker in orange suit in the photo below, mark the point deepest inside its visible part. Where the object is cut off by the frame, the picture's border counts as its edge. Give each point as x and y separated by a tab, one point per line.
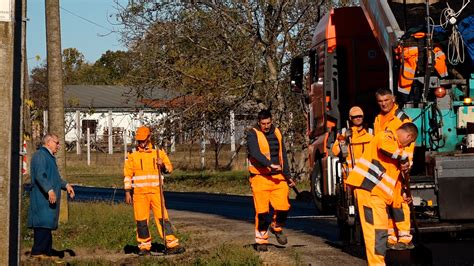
269	178
408	54
374	179
390	118
352	141
143	171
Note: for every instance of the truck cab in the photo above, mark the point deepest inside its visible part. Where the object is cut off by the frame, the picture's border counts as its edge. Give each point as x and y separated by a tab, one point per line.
355	51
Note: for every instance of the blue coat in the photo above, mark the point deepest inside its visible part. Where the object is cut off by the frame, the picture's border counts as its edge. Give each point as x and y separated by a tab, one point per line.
44	176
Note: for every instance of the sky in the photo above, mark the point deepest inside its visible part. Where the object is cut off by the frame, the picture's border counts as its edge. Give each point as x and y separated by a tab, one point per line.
86	33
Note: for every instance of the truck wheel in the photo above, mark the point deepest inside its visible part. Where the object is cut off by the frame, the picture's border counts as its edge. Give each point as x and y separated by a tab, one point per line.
351	234
317	187
358	236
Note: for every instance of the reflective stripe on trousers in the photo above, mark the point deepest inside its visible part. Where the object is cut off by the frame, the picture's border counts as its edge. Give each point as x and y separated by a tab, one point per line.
142	203
267	190
399	223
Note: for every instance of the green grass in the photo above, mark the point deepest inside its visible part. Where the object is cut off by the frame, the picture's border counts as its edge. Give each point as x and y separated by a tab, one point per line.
91	225
107	171
229	182
111	228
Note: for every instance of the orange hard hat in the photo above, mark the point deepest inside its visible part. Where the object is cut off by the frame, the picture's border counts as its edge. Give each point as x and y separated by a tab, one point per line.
356	110
142	133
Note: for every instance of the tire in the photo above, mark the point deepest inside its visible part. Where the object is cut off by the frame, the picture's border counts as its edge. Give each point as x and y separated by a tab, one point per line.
317	187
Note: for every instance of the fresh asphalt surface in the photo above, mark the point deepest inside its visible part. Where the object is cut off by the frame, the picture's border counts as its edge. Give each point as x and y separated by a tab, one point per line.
437	249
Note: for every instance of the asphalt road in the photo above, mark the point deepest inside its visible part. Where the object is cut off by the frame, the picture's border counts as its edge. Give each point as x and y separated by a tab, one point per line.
437	249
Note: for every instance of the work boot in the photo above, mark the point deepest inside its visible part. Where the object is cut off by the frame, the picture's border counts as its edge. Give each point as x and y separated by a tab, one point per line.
144	252
391	242
261	247
175	250
391	245
281	238
404	246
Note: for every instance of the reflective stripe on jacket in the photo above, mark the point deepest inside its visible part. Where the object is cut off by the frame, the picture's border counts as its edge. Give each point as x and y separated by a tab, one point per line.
377	170
410	61
141	170
359	141
254	167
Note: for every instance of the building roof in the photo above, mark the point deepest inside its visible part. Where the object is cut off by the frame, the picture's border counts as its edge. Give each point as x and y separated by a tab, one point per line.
177	102
107	97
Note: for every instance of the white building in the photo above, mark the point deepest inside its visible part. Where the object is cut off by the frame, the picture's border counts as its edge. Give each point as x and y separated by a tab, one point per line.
96	106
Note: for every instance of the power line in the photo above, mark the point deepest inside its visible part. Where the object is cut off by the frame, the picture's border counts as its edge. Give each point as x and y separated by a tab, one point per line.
85	19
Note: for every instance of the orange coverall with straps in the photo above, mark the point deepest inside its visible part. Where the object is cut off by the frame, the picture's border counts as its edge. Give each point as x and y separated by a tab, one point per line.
399	216
409	56
268	187
143	177
360	139
374	179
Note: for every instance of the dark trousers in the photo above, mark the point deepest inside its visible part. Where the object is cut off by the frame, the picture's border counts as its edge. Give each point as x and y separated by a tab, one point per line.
43	241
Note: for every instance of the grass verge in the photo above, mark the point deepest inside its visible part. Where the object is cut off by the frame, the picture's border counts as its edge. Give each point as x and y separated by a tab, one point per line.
109	174
99	233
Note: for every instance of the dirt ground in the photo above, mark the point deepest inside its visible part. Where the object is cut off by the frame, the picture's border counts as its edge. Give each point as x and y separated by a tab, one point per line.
211	231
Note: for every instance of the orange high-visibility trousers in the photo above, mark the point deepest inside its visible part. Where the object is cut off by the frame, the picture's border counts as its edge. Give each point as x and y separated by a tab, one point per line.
374	219
399	224
142	203
268	190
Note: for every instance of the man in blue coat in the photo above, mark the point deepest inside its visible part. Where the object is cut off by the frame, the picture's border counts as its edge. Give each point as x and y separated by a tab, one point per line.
46	185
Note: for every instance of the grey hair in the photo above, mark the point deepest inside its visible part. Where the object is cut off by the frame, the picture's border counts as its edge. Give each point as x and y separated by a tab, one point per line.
47	137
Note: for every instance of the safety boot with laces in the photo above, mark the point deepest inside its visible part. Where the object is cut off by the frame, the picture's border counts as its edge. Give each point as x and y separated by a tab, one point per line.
392	242
391	245
281	238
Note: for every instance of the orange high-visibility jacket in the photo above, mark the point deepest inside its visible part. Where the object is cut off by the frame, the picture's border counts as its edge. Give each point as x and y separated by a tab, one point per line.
141	170
410	60
359	141
254	167
378	169
392	121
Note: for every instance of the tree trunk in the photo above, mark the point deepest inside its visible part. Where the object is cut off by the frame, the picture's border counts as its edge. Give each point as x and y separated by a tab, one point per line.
56	93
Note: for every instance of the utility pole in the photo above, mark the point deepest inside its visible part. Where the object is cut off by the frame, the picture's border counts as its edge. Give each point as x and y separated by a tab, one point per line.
56	92
27	133
10	107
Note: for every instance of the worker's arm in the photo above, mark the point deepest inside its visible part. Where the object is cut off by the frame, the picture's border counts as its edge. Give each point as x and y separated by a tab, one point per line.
286	165
389	147
41	178
254	150
127	180
164	162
